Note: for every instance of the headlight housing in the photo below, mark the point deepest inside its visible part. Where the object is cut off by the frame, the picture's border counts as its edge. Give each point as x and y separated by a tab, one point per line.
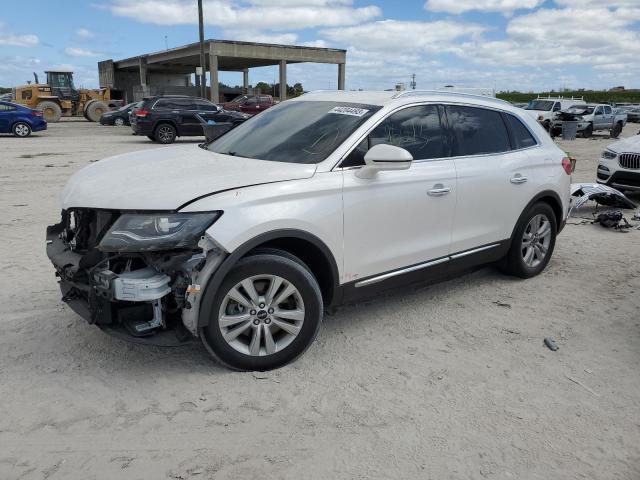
609	155
144	232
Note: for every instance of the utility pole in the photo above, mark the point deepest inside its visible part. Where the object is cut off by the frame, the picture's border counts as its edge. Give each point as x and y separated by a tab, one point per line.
203	75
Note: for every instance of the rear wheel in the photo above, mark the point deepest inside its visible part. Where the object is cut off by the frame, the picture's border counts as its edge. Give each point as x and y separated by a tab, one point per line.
21	129
51	111
165	133
532	243
617	129
266	313
94	110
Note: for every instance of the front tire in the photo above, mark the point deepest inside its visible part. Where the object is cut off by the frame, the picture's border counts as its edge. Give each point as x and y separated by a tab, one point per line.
266	313
617	130
119	122
532	243
21	129
587	132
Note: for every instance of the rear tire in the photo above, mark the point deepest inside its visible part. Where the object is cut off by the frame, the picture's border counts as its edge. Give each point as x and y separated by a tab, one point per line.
275	327
165	133
51	111
532	243
21	129
94	110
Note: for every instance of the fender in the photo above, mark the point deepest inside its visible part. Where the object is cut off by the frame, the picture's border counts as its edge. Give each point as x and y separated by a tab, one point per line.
545	193
218	277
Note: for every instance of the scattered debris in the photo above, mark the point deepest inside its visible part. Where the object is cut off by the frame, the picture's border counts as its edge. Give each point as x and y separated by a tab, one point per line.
612	219
512	331
578	382
502	304
34	155
636	216
601	194
551	344
590	372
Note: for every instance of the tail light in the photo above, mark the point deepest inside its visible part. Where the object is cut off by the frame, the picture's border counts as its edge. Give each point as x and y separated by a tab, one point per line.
36	113
569	164
141	113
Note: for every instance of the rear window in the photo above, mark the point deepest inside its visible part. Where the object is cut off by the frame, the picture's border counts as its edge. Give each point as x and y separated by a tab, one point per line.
477	131
522	137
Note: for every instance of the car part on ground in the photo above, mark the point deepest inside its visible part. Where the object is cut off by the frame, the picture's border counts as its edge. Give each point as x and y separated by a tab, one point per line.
601	194
244	240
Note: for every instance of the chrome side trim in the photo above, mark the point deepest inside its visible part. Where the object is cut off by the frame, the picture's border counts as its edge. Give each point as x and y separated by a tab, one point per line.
402	271
475	250
420	266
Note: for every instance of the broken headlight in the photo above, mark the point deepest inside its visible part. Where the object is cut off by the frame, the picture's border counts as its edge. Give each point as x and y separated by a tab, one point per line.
139	232
608	154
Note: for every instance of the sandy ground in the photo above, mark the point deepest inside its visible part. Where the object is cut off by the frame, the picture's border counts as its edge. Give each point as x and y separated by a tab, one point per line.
446	382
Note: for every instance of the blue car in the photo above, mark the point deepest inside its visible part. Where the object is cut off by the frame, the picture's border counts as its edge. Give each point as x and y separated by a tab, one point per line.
20	120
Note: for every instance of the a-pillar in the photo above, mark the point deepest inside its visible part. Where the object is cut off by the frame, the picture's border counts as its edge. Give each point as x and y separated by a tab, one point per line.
283	80
213	75
245	81
341	76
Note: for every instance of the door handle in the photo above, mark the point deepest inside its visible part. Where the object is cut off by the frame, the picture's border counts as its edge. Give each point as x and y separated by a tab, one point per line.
517	179
438	190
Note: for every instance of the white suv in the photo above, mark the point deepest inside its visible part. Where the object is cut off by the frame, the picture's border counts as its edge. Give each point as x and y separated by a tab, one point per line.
619	165
318	201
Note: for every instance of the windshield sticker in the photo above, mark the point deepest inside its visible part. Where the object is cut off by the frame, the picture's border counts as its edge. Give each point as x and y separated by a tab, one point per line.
354	112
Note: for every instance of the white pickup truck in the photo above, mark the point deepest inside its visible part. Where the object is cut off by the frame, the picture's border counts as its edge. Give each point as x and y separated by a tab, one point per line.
546	109
591	118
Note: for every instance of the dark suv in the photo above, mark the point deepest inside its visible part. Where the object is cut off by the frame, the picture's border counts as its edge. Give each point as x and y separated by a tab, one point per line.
163	118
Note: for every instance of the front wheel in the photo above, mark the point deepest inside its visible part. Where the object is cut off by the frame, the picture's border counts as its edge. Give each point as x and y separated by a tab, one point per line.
119	122
533	242
587	132
21	129
617	130
266	313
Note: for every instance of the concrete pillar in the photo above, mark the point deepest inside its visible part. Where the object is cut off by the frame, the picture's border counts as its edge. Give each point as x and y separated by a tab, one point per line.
283	80
197	80
245	81
142	62
341	76
213	76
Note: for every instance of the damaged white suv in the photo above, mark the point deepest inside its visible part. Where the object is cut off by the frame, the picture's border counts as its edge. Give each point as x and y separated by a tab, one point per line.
320	200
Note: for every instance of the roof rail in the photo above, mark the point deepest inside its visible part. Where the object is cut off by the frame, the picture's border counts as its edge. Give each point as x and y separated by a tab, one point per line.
408	93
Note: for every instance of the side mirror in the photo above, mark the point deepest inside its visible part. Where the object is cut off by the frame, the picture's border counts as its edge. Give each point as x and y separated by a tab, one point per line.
384	157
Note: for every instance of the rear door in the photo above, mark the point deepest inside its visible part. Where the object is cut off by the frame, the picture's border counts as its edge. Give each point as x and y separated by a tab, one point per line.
398	219
207	110
495	180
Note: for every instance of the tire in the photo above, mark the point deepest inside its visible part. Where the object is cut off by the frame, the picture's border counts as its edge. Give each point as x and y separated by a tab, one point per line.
119	122
587	132
617	129
292	335
94	110
516	262
151	137
165	133
51	111
547	125
21	129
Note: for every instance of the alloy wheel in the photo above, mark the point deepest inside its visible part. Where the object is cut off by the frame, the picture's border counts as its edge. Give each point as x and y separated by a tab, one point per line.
118	122
21	130
165	134
261	315
536	240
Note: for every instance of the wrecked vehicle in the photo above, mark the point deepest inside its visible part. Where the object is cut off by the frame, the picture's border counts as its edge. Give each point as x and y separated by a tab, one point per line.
591	118
318	201
619	165
546	109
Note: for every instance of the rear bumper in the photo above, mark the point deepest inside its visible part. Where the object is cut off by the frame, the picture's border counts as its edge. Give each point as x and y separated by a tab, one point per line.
39	126
142	128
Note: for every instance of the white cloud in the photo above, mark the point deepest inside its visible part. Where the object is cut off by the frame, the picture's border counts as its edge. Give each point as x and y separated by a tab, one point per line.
81	52
84	33
460	6
315	43
260	37
12	40
227	14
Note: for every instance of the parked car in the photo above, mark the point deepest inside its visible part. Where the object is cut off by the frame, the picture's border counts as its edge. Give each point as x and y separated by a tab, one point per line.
250	104
321	200
118	117
633	115
591	118
546	109
619	165
20	120
163	118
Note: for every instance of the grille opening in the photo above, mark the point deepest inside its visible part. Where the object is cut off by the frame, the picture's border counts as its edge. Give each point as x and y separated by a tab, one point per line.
630	160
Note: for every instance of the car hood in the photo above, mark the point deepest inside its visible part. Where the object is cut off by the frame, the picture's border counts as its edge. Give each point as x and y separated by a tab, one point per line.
168	178
631	145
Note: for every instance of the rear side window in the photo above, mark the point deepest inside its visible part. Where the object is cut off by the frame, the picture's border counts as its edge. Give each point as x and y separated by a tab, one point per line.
607	110
522	137
477	131
164	104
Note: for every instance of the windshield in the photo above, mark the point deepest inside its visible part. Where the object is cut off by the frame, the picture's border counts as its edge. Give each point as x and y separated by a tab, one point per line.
295	132
544	105
239	99
126	107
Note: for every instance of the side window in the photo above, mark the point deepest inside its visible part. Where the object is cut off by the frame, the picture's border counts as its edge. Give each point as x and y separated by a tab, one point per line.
477	131
26	95
265	101
206	106
598	111
521	136
251	101
163	104
607	110
556	107
184	104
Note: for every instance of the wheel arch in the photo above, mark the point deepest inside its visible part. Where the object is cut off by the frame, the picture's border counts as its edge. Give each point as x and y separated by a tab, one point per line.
312	251
549	197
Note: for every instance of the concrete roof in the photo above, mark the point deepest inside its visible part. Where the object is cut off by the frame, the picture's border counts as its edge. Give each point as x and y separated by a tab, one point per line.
232	56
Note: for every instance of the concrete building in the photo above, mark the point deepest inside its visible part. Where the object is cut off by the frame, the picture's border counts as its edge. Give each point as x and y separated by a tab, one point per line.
170	71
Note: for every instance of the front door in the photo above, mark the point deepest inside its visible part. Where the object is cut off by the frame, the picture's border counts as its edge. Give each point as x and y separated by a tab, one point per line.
402	218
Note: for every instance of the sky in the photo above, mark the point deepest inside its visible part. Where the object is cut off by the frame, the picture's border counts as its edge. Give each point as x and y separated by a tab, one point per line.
525	45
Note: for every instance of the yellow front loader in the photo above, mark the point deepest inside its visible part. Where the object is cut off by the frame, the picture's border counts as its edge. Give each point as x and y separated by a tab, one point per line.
59	98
